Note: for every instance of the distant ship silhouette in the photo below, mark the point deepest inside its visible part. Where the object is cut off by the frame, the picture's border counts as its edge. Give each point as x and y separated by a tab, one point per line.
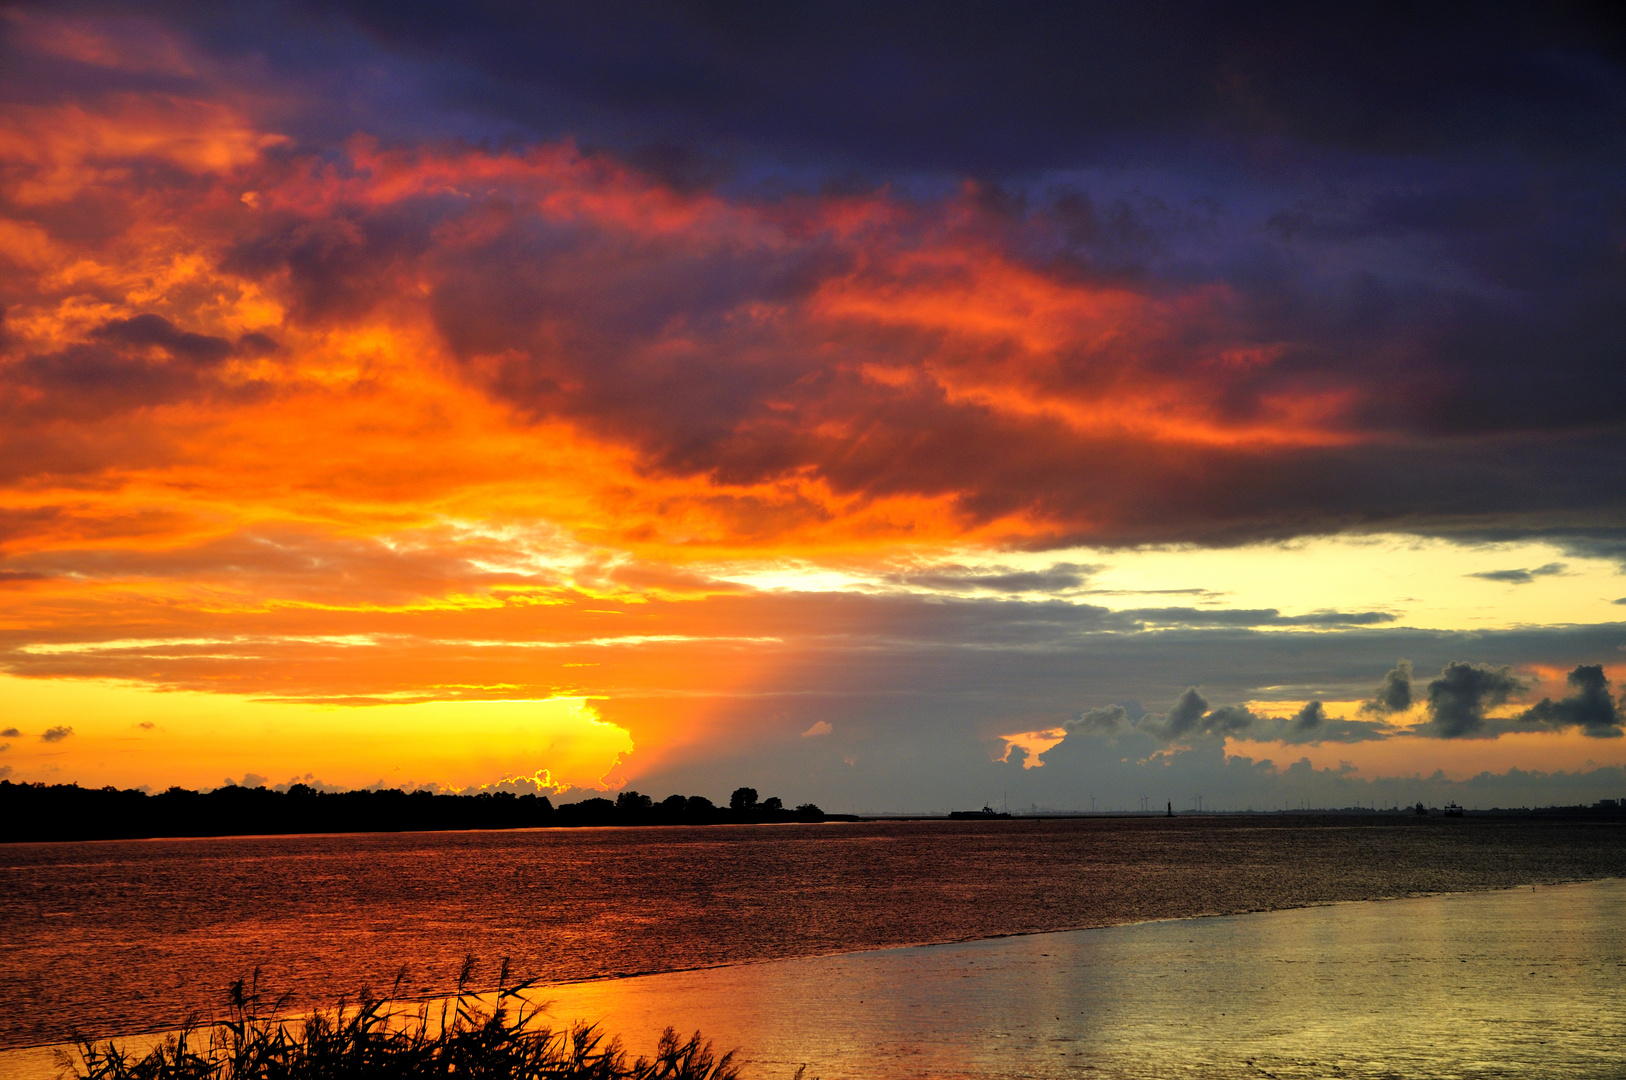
977	815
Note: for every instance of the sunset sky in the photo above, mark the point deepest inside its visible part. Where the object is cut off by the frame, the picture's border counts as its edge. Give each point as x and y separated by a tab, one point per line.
893	406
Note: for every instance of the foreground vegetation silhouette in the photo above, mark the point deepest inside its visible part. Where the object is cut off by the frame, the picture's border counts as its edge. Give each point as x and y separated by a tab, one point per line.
375	1038
33	812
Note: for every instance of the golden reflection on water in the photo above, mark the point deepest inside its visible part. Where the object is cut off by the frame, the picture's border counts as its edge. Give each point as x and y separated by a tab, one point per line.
1513	983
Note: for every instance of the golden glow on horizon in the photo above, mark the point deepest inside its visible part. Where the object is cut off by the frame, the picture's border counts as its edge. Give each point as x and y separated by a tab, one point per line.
204	739
1458	759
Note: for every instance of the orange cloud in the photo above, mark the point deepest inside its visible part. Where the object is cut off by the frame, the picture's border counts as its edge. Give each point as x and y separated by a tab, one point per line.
414	424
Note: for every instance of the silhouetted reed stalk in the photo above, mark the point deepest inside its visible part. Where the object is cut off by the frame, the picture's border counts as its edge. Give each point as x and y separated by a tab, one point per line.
374	1039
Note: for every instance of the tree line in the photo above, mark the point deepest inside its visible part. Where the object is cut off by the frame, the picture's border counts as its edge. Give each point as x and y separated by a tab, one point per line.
37	811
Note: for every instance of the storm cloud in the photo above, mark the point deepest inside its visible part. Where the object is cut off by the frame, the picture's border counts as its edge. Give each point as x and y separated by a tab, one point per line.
931	90
1060	308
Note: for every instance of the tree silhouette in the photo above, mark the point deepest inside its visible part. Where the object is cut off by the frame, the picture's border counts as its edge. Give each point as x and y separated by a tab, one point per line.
34	812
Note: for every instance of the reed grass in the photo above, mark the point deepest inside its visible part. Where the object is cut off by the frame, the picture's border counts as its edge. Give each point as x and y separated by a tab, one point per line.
381	1038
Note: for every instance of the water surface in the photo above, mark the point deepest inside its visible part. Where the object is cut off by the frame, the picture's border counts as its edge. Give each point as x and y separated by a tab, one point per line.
122	936
1527	983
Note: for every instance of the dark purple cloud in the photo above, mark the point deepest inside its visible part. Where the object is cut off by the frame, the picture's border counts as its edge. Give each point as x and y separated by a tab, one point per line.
1416	219
979	87
124	365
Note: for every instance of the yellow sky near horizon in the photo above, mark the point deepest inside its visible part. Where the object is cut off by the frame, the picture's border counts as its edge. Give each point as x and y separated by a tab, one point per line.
1423	582
129	735
474	736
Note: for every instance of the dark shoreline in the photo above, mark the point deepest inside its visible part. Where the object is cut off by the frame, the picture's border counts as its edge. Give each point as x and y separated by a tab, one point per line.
64	813
40	813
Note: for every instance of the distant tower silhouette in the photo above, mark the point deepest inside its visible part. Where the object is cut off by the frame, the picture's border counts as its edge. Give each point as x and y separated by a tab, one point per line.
1171	809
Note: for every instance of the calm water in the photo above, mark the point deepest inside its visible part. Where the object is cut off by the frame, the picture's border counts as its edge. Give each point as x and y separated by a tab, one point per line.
116	937
1519	983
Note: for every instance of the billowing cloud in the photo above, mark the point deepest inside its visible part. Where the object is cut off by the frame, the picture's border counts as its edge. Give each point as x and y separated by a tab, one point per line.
1186	718
1590	706
1190	717
1106	720
56	734
1462	694
1394	694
